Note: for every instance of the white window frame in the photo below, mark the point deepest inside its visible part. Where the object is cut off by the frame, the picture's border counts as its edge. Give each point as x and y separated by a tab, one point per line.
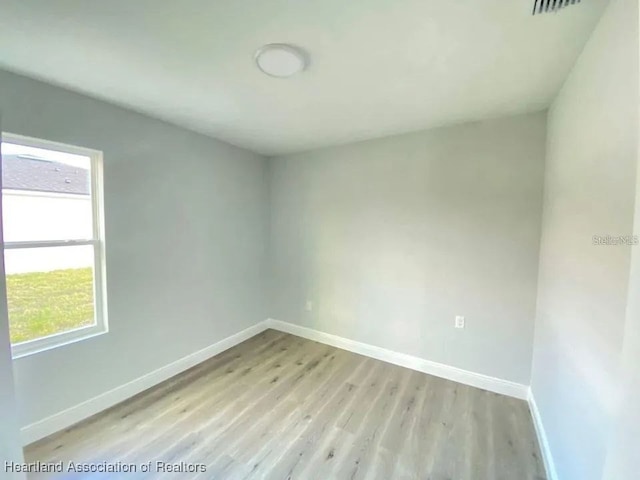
97	241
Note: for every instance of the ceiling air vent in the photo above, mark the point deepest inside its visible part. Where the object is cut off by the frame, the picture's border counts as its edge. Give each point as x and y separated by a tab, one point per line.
545	6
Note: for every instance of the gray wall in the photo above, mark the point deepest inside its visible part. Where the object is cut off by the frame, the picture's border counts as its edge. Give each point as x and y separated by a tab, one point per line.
391	238
10	441
589	190
186	225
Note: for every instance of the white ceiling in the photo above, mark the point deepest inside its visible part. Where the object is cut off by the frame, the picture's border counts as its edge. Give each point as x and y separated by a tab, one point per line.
378	67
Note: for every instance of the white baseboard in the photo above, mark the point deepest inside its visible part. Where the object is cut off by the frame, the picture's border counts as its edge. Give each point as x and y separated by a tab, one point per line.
459	375
75	414
549	465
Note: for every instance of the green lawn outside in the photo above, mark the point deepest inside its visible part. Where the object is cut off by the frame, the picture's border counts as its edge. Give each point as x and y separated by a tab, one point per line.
44	303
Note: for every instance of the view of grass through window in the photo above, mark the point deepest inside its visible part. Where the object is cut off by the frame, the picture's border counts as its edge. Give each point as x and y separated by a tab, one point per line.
45	303
51	244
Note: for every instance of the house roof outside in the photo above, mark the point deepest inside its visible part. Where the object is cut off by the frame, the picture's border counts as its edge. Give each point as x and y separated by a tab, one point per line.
20	172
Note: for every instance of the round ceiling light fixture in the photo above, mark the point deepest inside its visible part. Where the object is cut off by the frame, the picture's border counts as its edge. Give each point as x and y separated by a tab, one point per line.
280	60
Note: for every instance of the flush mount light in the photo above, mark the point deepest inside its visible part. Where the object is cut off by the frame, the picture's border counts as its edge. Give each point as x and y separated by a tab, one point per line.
280	60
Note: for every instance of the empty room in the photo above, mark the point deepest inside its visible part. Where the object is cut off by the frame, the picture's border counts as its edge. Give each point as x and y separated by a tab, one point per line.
320	239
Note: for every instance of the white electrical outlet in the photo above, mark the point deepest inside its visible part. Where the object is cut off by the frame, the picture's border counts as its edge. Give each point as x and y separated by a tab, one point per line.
459	321
308	306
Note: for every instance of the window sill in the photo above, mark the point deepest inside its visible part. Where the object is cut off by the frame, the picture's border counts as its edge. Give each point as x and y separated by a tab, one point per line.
57	340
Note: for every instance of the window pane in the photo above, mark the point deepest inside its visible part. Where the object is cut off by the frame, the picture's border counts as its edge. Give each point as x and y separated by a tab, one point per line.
49	290
46	194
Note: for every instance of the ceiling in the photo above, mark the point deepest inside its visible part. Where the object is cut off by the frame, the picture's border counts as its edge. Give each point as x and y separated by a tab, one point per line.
378	67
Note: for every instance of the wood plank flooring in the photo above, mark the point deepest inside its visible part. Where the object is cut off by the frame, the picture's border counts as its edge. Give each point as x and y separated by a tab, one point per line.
282	407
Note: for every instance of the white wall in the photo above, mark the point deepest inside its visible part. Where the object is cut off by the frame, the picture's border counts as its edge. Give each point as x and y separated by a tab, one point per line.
46	216
589	190
623	461
391	238
186	222
37	216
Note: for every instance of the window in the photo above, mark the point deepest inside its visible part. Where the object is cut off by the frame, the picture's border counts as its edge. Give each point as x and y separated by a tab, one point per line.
53	243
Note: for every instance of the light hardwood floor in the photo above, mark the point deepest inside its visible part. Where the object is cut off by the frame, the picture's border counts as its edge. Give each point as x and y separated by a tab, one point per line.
282	407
